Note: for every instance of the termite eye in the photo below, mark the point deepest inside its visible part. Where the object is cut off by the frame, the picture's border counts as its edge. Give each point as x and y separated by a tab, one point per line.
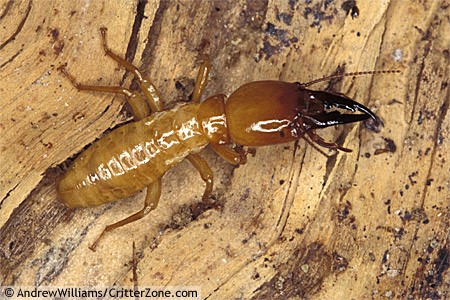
282	134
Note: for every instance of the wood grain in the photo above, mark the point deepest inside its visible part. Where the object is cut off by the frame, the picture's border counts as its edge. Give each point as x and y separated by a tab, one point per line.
292	222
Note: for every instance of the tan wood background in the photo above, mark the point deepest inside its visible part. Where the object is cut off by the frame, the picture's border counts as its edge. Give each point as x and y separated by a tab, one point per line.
293	223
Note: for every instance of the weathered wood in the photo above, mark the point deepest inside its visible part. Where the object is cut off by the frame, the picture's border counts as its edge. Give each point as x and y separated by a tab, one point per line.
371	223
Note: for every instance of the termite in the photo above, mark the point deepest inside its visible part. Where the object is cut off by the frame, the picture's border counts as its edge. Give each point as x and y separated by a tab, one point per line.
136	155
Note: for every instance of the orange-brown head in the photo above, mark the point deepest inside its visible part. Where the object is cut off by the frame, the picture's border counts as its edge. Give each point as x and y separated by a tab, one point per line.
271	112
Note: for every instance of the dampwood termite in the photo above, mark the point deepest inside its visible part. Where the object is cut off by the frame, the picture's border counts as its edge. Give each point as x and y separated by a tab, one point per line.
137	155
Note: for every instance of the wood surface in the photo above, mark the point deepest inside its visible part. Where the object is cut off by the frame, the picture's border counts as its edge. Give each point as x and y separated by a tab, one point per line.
292	223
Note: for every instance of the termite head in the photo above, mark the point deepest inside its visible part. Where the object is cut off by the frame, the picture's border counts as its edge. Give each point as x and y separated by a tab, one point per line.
270	112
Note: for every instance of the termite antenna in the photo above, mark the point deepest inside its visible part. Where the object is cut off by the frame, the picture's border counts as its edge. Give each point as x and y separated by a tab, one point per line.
329	77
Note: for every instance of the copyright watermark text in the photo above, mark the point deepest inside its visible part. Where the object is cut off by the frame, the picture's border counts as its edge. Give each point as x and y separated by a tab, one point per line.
153	292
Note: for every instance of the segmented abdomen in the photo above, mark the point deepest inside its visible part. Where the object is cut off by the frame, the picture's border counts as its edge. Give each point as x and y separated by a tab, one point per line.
131	157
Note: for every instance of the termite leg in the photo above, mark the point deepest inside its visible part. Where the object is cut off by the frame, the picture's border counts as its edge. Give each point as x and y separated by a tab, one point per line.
137	103
235	156
148	89
318	140
151	202
202	78
311	143
205	172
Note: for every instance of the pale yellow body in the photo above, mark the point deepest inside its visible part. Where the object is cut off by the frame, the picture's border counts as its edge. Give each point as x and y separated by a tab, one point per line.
138	154
131	157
